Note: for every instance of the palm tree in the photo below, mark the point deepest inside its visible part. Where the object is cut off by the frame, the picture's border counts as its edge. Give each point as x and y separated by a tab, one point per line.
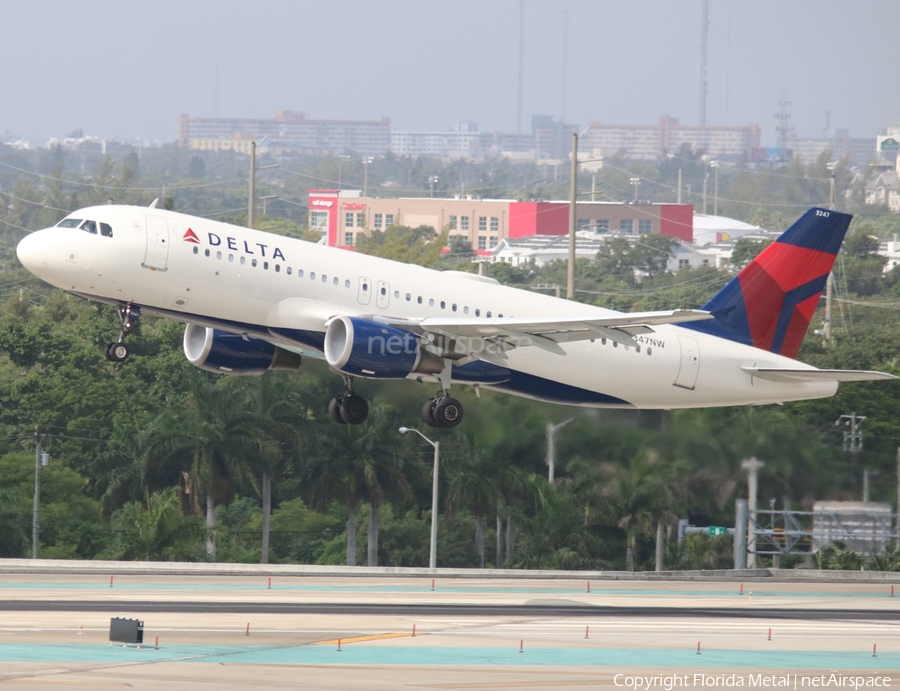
218	440
356	465
288	419
634	497
475	485
157	531
14	522
380	468
121	474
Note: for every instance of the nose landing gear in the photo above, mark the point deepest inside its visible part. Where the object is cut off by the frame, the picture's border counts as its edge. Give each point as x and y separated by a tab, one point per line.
128	316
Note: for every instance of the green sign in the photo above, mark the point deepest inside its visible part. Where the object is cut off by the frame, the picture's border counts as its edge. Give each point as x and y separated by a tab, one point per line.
717	530
889	144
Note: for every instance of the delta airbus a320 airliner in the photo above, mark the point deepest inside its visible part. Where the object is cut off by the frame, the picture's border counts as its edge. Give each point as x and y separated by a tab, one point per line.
253	302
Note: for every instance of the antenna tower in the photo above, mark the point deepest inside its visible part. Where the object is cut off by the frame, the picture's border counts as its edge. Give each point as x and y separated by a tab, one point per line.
704	31
783	116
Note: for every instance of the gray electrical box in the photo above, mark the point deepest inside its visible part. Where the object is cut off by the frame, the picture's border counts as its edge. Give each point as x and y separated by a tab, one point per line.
126	631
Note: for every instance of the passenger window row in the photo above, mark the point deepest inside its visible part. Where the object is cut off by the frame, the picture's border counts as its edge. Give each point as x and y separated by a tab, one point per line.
336	281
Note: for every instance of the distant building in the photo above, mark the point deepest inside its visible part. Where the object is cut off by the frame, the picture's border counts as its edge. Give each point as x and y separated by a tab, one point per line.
859	151
288	131
465	141
653	142
342	215
883	188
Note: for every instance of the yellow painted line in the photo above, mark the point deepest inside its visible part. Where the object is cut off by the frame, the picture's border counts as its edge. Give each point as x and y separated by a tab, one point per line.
37	682
362	639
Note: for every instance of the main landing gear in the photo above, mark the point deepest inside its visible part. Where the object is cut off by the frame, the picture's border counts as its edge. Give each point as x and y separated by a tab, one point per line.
442	411
118	351
348	408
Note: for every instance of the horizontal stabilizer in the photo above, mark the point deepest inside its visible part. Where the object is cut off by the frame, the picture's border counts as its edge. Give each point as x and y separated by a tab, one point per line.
801	375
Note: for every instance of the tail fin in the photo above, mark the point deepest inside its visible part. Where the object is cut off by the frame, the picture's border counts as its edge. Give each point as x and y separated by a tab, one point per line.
770	303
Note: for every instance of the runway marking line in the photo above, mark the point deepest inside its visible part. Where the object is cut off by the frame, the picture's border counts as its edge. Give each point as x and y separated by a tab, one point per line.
56	682
363	639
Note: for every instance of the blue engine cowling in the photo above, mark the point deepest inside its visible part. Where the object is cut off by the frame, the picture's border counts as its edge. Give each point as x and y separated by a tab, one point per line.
228	353
366	349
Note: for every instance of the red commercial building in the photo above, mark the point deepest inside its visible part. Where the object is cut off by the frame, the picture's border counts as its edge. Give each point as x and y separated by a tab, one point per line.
342	215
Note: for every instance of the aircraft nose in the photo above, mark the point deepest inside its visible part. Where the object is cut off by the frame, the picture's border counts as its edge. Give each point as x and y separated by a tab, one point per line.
30	252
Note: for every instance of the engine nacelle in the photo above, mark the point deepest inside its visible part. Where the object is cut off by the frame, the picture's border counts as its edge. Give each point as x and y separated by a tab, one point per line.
228	353
377	351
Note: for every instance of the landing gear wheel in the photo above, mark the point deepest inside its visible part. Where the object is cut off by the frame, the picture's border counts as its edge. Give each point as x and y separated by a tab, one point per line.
448	412
354	409
428	413
334	410
116	352
128	316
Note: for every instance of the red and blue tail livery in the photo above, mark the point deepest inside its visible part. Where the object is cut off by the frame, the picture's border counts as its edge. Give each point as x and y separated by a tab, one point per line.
770	303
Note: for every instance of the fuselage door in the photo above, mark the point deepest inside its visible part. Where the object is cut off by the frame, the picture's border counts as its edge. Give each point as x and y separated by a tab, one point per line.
365	291
689	366
383	295
156	254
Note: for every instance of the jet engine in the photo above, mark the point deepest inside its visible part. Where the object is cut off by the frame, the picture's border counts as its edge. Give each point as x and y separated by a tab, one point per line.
364	348
223	352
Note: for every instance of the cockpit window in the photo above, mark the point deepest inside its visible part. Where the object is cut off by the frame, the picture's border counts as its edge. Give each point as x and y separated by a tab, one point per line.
89	227
69	223
106	230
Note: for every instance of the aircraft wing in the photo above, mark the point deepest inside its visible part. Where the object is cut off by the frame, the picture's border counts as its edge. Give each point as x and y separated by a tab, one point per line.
471	336
801	375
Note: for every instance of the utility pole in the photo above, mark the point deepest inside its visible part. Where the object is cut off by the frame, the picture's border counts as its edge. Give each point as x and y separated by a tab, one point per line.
866	475
573	195
853	440
35	517
551	447
715	165
826	328
251	202
679	185
705	180
366	161
752	466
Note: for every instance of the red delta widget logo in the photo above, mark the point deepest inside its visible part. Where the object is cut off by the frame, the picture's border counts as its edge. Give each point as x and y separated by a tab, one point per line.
236	245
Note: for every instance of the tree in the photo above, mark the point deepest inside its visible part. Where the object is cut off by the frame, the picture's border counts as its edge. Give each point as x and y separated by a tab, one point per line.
156	530
14	523
474	485
217	440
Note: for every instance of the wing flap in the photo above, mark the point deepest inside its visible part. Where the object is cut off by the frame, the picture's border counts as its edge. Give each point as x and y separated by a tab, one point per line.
783	374
471	335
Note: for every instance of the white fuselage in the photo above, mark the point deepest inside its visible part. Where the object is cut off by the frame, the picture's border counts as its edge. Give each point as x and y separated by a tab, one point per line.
285	290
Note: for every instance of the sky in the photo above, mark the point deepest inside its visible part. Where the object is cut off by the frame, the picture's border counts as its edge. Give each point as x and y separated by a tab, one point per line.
127	69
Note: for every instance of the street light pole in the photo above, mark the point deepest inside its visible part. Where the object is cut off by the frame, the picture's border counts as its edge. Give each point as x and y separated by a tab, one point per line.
35	517
551	447
634	183
752	466
432	179
432	552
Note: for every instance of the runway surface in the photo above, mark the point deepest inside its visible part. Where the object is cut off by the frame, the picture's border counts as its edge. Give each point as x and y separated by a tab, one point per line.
239	632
